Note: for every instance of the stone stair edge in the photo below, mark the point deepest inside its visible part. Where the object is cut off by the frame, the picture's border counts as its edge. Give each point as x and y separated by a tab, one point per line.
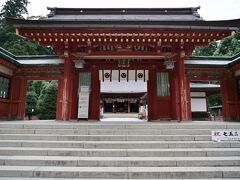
20	157
17	178
99	125
118	142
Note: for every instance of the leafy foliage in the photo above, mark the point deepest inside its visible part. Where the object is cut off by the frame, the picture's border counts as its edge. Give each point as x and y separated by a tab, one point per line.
215	100
229	46
46	105
38	86
9	40
15	8
46	97
206	50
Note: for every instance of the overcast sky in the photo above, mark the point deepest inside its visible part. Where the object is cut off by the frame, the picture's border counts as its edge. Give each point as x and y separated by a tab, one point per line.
210	9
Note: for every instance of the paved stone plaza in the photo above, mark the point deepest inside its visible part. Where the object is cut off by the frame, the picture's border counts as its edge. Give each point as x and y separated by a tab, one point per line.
116	150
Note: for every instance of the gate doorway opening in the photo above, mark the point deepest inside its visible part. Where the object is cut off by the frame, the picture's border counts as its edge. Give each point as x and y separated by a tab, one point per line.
41	99
123	98
206	100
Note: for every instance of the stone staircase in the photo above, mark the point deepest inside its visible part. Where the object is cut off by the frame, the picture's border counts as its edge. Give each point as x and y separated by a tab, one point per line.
50	150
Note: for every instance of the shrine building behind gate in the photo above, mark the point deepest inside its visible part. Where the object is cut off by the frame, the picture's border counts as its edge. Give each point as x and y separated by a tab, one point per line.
93	45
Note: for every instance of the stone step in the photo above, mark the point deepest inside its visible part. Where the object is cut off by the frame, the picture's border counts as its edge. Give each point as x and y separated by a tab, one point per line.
83	152
73	161
120	172
79	150
118	144
108	131
118	125
17	178
53	137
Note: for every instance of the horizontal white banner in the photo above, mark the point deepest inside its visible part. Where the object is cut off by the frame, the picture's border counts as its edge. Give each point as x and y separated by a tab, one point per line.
123	75
226	135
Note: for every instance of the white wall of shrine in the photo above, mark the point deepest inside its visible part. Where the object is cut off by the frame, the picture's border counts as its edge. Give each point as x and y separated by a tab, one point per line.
123	86
198	102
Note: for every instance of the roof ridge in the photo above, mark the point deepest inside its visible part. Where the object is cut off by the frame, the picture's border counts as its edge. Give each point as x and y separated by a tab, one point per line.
82	11
66	8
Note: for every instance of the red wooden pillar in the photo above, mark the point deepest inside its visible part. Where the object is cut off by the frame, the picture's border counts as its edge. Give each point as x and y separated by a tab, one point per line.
94	111
18	95
174	88
74	94
151	89
64	92
225	105
183	103
224	98
10	110
59	100
22	99
188	96
229	98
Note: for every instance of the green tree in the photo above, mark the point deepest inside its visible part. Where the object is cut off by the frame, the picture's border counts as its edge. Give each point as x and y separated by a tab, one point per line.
40	103
206	50
47	101
9	40
15	8
31	103
229	46
215	100
38	86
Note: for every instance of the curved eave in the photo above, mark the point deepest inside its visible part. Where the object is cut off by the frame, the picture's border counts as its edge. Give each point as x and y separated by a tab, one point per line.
212	62
36	57
31	61
235	60
5	55
41	24
206	65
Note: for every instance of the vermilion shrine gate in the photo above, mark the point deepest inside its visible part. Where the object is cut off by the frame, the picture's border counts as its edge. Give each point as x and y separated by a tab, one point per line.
144	44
